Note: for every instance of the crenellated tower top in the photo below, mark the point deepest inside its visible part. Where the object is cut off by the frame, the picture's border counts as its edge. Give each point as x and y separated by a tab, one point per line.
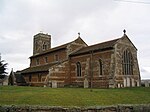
42	42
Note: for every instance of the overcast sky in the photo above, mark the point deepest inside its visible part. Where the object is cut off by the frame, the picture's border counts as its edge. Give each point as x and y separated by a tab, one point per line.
96	20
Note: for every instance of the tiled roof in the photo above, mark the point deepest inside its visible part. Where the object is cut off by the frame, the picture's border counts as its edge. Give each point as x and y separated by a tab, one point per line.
51	50
100	46
41	68
64	46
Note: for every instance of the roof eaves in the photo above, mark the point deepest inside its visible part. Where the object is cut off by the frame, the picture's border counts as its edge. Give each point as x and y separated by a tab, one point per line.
101	47
89	51
63	46
48	51
42	68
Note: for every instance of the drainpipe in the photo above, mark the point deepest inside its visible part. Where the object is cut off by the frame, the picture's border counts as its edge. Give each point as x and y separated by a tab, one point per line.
91	55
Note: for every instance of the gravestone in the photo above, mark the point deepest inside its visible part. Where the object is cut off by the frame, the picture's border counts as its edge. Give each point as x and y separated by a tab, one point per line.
54	84
133	83
86	83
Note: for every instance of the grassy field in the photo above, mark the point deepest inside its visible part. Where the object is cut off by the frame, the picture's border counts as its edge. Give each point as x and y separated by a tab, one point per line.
72	96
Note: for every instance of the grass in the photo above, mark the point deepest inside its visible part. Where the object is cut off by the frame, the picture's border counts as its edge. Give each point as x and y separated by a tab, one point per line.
72	96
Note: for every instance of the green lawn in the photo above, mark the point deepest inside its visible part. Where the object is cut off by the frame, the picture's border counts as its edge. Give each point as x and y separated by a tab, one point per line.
72	96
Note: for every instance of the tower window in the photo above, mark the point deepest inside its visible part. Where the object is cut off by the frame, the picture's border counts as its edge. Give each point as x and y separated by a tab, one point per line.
78	65
44	46
127	64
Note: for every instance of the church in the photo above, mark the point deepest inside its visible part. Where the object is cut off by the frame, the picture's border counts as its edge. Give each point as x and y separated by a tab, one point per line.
110	64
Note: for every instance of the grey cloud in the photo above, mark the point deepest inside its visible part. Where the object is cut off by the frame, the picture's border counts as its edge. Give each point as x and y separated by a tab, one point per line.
96	20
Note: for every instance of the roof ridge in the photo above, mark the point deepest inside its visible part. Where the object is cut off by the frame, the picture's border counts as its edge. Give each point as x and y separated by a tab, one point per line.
98	46
105	42
57	47
51	49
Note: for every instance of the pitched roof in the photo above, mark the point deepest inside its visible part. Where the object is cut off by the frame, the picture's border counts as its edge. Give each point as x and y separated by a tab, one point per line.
35	69
52	50
125	36
42	68
95	47
64	46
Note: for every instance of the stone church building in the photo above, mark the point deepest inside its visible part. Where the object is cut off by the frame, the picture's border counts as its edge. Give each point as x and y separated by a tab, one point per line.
110	64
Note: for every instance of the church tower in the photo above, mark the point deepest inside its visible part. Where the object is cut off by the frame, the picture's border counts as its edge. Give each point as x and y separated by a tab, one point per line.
41	43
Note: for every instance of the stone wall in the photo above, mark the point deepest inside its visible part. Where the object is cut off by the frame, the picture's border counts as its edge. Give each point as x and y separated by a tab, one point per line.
41	43
51	57
36	79
121	80
58	75
90	69
118	108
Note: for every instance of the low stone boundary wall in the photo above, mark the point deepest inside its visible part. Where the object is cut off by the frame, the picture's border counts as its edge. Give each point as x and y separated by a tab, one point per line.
118	108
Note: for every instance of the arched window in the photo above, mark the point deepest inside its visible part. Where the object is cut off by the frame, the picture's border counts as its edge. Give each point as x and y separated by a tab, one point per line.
44	46
78	69
100	67
127	63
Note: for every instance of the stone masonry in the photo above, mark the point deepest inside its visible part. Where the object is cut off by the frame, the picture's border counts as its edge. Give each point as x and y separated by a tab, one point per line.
110	64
